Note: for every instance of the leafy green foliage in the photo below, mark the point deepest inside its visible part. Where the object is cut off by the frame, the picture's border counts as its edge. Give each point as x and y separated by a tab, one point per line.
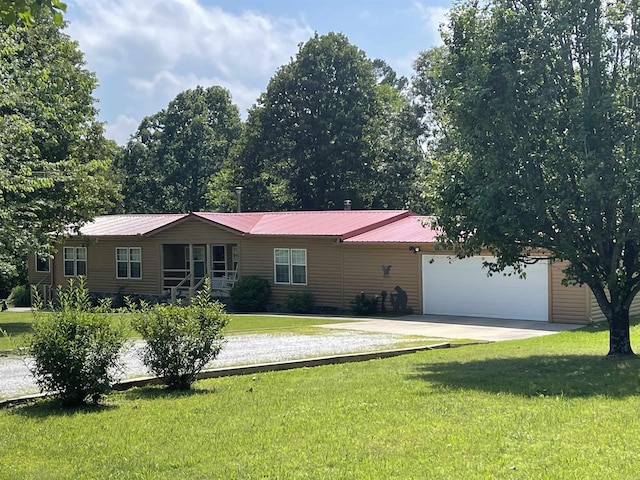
75	347
181	340
54	159
250	294
299	302
167	165
20	296
363	305
536	105
26	11
324	131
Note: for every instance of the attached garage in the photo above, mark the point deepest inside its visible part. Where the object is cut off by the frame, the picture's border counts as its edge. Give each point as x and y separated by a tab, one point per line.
453	286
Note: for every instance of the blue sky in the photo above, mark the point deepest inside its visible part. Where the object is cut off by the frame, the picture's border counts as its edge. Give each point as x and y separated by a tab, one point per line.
145	52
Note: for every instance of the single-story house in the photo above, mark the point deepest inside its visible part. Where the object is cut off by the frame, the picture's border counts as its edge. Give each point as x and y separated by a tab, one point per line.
336	255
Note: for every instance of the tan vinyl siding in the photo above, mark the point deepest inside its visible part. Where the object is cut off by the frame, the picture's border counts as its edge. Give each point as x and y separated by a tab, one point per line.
634	311
598	316
595	313
324	271
38	277
569	304
195	232
101	265
363	273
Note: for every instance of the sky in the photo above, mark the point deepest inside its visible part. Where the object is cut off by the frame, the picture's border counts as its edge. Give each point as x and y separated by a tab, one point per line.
145	52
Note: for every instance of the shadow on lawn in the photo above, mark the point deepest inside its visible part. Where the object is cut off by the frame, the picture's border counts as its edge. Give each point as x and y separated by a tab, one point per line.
52	407
568	376
162	392
17	328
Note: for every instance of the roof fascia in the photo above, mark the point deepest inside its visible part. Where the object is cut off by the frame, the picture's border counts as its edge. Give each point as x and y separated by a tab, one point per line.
219	225
163	227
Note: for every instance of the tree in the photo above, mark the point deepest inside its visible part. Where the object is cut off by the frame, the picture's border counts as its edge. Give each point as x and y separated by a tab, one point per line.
12	11
322	133
54	159
537	104
168	163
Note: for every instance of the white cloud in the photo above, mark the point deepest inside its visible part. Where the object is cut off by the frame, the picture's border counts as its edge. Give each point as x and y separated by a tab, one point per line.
146	52
434	18
127	35
121	129
168	84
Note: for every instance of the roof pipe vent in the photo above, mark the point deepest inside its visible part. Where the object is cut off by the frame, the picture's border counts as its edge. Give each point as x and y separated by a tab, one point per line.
347	204
239	193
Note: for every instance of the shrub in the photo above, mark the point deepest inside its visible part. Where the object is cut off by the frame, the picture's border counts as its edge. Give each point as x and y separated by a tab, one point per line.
75	347
181	340
363	305
250	294
20	296
300	302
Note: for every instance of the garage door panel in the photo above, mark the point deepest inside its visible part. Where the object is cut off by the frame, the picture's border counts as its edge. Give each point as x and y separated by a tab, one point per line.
461	287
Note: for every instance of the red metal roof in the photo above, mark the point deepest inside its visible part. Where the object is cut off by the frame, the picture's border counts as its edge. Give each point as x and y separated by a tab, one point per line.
411	229
343	223
242	222
125	225
349	225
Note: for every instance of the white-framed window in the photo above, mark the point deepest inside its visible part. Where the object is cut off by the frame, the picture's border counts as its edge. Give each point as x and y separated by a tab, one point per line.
129	262
290	266
75	261
42	263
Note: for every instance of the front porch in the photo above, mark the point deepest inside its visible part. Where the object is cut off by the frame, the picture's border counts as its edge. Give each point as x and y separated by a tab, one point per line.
186	266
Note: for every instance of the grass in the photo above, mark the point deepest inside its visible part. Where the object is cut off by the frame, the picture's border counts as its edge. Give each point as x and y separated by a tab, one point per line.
544	408
18	325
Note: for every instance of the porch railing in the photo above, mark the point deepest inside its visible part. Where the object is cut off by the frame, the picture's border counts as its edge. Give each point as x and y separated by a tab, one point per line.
177	280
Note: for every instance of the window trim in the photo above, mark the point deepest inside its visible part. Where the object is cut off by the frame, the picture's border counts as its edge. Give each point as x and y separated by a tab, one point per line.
75	261
40	260
290	265
129	261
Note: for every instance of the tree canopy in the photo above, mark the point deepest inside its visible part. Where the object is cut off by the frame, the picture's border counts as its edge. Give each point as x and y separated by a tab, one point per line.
26	11
328	129
168	163
54	160
537	111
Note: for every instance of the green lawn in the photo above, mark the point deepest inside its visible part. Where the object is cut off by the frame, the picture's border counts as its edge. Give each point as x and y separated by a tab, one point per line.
18	325
545	408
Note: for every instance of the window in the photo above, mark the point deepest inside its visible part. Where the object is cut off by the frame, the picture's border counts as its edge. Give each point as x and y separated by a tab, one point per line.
75	261
290	266
128	262
42	263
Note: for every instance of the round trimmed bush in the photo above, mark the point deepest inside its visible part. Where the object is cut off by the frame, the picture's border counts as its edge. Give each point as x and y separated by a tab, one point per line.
250	294
20	296
76	347
181	340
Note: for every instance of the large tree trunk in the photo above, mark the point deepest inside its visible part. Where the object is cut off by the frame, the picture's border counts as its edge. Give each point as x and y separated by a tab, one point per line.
619	337
615	307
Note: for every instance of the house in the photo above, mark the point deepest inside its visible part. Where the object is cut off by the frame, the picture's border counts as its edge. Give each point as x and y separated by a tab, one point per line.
336	255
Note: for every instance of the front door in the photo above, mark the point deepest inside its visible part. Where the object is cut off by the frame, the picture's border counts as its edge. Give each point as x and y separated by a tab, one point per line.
199	261
218	260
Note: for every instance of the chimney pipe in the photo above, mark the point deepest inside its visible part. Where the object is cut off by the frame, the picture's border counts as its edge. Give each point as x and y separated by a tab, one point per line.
347	204
239	193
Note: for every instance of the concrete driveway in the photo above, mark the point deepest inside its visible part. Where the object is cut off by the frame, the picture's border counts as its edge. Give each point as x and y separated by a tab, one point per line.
450	327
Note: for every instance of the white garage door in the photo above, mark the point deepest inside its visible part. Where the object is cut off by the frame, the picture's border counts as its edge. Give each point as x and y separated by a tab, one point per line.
453	286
